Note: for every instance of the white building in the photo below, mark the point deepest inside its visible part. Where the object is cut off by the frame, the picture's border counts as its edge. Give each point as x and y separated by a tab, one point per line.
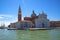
21	25
42	21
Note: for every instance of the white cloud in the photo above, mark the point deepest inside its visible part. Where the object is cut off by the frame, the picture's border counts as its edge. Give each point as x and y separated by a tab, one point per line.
6	23
7	19
9	16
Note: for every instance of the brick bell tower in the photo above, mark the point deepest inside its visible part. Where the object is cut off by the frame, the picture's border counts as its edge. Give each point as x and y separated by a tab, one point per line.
19	14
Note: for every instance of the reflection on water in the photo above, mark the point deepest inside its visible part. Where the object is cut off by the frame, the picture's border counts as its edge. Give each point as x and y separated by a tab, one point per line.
30	35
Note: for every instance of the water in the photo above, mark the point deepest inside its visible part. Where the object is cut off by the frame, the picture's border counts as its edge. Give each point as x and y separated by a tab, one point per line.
30	35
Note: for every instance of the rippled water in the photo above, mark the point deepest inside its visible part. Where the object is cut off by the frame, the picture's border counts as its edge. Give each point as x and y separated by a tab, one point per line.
30	35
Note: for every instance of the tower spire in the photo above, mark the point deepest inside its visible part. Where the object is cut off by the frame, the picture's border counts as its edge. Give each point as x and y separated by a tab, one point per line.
19	10
19	14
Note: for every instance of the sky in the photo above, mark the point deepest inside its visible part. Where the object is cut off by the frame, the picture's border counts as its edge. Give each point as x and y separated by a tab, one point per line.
9	9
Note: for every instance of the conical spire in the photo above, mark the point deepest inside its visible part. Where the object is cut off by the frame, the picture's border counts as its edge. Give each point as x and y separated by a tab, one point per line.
19	10
19	14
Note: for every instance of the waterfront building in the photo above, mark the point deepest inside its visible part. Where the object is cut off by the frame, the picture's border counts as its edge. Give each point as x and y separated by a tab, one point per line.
34	21
54	23
21	25
42	21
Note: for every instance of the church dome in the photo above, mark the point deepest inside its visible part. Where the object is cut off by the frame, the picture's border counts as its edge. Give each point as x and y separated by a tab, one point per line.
33	14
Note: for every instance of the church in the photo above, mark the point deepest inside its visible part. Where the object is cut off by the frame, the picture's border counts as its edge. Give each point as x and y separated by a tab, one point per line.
42	21
34	21
39	21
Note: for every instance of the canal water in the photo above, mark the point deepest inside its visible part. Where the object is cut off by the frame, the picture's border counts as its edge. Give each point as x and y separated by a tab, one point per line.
30	35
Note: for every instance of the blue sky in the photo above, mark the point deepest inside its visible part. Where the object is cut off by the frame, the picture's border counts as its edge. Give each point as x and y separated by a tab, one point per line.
9	9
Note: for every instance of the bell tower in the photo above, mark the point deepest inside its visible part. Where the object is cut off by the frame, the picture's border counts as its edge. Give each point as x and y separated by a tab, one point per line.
19	14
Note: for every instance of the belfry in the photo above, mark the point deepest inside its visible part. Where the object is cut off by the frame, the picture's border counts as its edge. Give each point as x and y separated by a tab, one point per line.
19	14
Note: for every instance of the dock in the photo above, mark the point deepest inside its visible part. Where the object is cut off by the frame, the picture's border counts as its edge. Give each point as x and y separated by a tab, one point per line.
39	28
30	29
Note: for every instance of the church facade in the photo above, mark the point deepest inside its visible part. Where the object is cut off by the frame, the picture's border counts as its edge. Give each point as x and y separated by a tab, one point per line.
42	21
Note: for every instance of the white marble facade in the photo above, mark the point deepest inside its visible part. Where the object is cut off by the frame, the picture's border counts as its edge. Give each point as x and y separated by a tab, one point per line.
42	21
